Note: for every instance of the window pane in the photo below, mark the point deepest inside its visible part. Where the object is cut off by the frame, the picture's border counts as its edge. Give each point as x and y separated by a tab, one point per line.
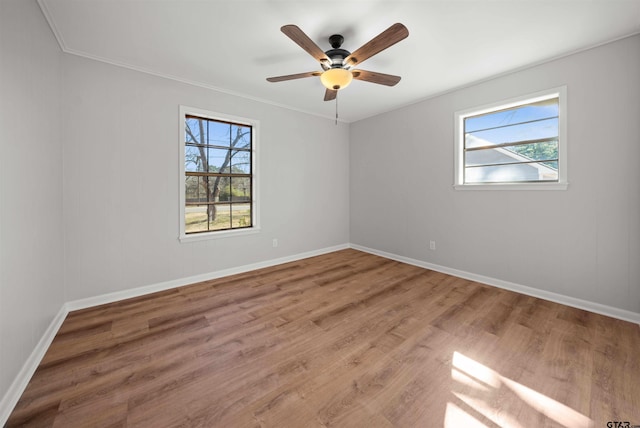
194	133
241	215
222	218
224	192
191	185
525	113
510	173
219	160
204	189
192	159
509	154
241	136
513	133
197	188
537	151
240	189
219	133
241	162
196	218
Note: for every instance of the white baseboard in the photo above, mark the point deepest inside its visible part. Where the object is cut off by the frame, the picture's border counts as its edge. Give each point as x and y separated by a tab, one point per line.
18	386
162	286
598	308
11	397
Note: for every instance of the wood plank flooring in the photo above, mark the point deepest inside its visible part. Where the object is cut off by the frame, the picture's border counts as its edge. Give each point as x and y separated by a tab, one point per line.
346	339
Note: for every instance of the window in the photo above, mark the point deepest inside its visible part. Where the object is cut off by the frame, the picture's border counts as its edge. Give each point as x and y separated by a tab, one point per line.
515	144
218	192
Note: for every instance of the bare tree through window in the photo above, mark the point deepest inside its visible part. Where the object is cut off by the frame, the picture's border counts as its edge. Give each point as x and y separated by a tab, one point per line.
218	175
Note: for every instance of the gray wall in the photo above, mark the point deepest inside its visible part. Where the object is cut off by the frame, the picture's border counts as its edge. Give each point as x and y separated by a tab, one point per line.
121	181
31	252
583	242
106	218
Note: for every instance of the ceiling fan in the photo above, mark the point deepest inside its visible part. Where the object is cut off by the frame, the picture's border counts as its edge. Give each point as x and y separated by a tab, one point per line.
338	64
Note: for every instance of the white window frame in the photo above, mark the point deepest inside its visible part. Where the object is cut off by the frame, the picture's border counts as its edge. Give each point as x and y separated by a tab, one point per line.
459	117
255	196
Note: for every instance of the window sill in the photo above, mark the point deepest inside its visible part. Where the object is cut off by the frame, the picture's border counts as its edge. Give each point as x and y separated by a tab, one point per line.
218	235
513	186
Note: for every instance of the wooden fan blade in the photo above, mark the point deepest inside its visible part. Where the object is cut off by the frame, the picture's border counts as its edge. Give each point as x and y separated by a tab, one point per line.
330	94
293	76
382	41
374	77
302	40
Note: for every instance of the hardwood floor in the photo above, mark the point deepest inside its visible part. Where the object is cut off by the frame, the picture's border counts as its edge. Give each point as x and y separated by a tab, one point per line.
346	339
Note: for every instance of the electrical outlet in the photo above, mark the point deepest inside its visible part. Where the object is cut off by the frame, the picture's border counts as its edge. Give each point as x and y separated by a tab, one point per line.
275	242
432	245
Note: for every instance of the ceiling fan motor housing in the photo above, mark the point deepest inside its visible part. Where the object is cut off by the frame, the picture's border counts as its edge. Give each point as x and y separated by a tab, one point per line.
337	55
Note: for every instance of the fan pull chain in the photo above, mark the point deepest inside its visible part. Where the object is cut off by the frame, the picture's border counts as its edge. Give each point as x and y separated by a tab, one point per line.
336	109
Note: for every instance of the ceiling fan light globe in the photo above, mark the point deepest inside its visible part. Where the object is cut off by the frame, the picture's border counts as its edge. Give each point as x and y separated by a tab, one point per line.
336	78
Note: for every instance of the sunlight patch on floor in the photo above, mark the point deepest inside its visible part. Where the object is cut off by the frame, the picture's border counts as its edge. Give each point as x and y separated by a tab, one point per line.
495	397
456	417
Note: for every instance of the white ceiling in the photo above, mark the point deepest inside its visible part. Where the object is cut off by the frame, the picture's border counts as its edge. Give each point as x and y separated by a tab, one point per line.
233	45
